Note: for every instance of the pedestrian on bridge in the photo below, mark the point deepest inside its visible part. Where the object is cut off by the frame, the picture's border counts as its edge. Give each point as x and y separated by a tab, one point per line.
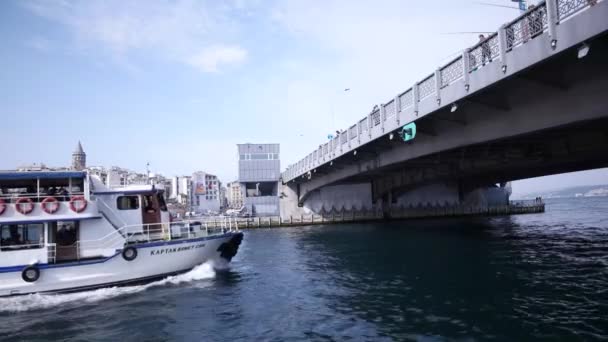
486	52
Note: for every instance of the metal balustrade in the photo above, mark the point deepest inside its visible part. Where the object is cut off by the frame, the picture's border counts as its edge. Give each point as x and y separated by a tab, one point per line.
526	26
566	8
376	118
522	29
363	125
389	110
352	132
427	87
484	52
406	99
452	72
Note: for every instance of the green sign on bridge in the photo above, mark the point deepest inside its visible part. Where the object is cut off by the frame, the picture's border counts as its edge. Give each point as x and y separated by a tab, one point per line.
409	131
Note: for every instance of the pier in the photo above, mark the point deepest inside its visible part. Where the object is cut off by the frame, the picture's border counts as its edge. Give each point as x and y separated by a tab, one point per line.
375	214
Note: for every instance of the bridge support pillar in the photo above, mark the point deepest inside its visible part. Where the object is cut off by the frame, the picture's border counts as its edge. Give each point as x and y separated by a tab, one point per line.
387	203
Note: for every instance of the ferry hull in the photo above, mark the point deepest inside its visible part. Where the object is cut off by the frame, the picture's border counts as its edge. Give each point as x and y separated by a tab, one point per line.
154	260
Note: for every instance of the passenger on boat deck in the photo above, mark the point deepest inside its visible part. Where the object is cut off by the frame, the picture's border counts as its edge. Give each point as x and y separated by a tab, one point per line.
63	193
15	237
149	206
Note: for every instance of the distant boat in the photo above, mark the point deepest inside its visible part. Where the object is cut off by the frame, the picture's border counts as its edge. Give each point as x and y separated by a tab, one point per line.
65	231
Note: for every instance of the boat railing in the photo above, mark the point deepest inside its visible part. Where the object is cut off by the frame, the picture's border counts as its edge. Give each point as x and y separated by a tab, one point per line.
143	233
51	252
39	197
4	246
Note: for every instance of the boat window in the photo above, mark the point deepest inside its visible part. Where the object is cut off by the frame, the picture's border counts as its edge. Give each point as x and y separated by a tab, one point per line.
161	202
21	236
127	202
67	233
36	189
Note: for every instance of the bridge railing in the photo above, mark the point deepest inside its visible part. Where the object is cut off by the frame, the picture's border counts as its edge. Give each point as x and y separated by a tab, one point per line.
529	25
426	87
451	72
567	8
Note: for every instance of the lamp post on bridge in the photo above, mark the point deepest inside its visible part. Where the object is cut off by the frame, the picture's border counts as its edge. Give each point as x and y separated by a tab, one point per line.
522	5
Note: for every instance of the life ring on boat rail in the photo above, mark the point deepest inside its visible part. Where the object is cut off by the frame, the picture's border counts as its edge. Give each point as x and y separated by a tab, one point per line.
30	274
50	205
129	253
24	205
78	204
2	206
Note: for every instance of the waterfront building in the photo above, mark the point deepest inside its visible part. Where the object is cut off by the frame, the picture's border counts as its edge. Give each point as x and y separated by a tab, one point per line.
174	188
181	190
223	198
205	193
259	172
79	158
235	195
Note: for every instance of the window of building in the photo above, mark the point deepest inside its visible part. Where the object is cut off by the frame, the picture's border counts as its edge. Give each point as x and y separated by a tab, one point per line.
21	236
127	202
259	156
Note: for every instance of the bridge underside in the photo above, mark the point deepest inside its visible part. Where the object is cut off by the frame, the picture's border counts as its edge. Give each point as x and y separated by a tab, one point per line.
551	118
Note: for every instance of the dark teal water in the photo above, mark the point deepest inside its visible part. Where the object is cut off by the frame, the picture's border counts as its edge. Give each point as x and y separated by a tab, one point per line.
527	277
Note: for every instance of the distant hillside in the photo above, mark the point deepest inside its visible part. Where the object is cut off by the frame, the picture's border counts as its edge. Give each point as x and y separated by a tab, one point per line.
576	191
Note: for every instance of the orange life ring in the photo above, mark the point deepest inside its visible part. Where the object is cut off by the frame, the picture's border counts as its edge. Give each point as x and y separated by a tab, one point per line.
78	199
50	205
2	206
22	209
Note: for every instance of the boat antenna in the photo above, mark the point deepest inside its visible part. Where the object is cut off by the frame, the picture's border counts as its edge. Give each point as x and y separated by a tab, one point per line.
148	172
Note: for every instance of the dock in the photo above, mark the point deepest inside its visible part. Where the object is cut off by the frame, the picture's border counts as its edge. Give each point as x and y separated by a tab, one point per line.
357	216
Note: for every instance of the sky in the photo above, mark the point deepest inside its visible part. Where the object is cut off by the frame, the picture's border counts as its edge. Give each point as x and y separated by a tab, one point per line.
179	83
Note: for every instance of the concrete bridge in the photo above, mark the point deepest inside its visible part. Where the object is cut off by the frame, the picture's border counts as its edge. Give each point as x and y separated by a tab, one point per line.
531	100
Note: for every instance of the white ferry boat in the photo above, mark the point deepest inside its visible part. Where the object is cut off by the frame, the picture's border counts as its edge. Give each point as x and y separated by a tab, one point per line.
66	231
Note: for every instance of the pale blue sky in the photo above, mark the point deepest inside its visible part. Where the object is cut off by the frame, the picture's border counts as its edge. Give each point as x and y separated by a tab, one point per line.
179	83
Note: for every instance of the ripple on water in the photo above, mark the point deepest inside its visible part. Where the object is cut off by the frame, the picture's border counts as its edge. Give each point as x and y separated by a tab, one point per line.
508	278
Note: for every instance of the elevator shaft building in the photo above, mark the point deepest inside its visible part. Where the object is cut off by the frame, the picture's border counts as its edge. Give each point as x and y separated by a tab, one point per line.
259	173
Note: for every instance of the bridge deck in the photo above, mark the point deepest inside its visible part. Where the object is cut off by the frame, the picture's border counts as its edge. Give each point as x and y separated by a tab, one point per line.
537	35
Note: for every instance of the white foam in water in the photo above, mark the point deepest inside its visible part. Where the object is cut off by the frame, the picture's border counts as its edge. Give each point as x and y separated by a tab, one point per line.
43	301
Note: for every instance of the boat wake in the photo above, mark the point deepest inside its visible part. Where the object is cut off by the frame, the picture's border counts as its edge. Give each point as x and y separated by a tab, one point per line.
43	301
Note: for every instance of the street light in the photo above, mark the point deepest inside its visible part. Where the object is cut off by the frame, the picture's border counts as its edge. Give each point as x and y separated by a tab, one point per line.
454	107
583	50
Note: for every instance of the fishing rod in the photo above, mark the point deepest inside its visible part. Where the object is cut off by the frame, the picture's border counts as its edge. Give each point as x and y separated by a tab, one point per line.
495	5
468	32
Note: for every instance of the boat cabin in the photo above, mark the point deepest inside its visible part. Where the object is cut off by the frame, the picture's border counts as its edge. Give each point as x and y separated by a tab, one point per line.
64	216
